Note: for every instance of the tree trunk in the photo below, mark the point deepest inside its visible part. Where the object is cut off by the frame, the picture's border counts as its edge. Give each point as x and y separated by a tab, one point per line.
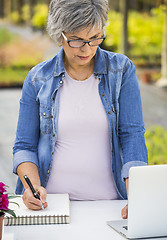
124	10
163	81
7	8
32	3
19	8
1	8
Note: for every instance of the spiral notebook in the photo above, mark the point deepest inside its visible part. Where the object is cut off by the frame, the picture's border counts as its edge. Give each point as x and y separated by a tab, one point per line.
57	212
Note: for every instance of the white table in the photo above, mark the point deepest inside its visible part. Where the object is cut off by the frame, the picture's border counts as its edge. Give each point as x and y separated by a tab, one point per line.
88	222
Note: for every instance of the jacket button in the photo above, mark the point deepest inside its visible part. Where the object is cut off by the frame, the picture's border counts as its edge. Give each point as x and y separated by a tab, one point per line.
103	95
109	112
61	82
44	113
48	171
53	135
51	116
53	98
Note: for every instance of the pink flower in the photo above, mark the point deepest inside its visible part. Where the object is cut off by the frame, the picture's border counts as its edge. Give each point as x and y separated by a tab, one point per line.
2	188
4	202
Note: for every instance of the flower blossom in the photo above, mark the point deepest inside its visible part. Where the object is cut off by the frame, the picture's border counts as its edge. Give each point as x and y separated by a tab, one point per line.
2	188
4	202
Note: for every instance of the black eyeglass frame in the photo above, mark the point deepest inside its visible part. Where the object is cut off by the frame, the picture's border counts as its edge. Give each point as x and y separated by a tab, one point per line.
84	42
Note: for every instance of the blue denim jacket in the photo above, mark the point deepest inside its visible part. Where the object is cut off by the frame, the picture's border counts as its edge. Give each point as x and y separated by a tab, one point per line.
38	117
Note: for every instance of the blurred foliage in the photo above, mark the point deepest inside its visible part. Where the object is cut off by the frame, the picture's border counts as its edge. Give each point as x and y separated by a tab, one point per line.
12	77
26	13
113	31
39	19
26	61
156	142
16	58
6	36
15	17
145	34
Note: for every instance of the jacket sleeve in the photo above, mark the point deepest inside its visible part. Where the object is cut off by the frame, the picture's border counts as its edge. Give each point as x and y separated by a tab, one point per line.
130	123
27	134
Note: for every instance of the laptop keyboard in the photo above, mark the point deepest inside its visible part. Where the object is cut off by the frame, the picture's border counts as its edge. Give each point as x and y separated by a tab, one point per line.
125	227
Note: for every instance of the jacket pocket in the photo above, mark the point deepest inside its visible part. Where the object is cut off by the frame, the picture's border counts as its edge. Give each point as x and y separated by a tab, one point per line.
45	120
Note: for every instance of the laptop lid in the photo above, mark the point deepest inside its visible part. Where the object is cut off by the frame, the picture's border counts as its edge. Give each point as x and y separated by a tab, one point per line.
147	202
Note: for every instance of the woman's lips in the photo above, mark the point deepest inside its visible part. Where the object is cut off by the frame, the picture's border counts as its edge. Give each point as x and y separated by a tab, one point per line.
83	58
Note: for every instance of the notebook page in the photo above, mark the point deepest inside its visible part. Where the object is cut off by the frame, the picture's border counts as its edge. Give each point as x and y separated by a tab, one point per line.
58	204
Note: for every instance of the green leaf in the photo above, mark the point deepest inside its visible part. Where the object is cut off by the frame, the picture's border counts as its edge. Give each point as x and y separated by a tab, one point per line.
15	203
11	212
13	196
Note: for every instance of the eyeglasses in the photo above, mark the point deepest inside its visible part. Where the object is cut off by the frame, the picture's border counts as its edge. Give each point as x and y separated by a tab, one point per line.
80	43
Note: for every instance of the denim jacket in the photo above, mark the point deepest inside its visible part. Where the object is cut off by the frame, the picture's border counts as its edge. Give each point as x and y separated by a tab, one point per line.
39	107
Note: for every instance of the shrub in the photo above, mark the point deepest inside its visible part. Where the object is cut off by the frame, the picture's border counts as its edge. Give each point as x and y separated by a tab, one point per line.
40	16
15	18
26	13
12	77
156	142
113	31
5	36
145	33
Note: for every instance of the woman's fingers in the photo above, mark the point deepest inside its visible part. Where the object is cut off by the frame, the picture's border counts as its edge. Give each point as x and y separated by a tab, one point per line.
124	212
33	203
42	193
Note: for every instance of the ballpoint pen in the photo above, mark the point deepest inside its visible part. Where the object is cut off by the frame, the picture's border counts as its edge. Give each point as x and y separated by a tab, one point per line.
32	188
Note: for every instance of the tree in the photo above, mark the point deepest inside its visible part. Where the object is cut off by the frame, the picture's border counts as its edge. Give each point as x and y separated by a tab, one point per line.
19	6
31	4
1	8
7	8
163	81
124	9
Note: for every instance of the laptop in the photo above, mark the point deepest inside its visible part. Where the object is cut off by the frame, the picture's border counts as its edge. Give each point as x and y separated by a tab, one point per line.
147	203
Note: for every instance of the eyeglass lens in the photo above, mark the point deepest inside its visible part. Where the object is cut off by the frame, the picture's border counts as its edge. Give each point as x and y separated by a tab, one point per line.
78	43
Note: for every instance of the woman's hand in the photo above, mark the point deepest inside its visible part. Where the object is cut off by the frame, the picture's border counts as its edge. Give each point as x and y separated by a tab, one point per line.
124	212
33	203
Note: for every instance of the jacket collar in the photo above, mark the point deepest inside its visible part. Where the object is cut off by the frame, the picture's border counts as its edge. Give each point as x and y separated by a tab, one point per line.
99	67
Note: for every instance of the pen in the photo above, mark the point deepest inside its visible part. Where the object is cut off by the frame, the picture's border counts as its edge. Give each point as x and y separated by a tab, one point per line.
32	188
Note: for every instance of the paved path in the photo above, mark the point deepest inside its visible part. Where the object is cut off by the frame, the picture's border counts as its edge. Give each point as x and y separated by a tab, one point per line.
9	107
154	110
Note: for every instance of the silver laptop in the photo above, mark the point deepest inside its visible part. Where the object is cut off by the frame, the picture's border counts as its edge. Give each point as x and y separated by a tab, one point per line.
147	203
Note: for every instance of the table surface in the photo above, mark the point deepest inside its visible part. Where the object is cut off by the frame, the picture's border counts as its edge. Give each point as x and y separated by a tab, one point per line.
88	222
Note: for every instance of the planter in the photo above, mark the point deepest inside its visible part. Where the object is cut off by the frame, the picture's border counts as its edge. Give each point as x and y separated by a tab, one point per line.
1	224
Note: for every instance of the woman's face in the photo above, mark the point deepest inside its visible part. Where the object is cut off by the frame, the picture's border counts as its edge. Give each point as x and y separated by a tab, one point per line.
81	56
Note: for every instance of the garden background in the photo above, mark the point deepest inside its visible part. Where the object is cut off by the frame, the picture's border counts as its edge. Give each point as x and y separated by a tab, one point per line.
135	28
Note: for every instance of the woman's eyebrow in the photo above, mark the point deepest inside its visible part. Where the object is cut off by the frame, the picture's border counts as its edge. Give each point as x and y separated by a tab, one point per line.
78	38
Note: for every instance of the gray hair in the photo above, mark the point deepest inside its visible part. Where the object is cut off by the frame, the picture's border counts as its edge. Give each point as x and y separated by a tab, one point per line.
73	15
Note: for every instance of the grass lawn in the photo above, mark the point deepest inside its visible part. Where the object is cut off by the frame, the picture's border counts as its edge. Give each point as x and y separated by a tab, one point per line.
12	77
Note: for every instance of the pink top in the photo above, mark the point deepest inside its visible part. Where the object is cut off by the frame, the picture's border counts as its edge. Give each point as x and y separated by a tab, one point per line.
82	158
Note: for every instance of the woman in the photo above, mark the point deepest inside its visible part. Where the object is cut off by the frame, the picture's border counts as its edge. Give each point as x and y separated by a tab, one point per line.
80	124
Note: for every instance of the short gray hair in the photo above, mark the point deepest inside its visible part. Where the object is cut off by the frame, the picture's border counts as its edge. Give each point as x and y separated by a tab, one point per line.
73	15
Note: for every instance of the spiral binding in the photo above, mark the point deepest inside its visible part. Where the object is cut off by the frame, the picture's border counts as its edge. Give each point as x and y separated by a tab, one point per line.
36	220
